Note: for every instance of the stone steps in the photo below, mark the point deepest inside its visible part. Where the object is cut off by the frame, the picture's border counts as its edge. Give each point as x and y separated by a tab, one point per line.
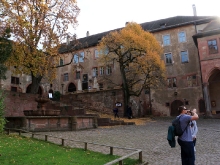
110	122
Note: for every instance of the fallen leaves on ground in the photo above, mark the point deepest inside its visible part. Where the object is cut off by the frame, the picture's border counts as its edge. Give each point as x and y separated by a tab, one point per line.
138	121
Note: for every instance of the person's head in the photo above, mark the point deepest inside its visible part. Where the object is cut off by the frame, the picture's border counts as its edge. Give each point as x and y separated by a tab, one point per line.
182	109
189	112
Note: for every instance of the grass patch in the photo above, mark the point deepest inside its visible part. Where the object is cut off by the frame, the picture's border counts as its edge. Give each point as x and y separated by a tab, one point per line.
19	150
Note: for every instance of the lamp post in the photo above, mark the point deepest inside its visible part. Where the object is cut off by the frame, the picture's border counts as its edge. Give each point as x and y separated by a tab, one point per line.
62	88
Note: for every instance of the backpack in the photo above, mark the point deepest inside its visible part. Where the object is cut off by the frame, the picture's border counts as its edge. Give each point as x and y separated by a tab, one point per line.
177	126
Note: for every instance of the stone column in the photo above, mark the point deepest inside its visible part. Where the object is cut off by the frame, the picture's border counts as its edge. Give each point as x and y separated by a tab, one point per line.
207	99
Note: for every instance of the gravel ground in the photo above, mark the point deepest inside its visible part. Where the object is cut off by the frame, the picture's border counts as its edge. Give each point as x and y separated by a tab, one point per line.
150	137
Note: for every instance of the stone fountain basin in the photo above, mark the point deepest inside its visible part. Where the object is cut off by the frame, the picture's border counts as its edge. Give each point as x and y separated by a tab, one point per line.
48	112
42	100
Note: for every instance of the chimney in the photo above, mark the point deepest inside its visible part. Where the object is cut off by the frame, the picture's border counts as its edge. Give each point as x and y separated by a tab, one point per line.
87	34
194	10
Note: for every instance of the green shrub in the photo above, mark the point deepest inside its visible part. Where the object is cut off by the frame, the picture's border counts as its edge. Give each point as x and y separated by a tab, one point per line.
56	96
2	109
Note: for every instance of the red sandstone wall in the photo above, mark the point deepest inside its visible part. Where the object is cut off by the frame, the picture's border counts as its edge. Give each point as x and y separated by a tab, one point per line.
16	102
102	101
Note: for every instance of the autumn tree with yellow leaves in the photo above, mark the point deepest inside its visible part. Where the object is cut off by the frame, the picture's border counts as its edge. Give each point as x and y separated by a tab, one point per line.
138	54
38	27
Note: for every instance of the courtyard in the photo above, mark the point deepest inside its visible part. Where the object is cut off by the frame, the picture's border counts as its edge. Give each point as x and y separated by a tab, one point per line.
151	139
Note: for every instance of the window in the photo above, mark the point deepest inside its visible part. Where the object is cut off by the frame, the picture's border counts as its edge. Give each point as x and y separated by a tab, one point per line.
101	86
184	56
14	80
14	89
65	77
182	36
191	81
166	40
213	48
76	58
171	82
162	25
108	70
168	58
96	53
61	62
81	57
101	70
77	74
106	51
95	72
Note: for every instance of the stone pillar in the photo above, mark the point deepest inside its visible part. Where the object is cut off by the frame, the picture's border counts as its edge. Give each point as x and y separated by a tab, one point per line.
73	123
207	99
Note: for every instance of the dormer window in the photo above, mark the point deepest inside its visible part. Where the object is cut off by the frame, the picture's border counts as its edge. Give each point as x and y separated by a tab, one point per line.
99	39
162	25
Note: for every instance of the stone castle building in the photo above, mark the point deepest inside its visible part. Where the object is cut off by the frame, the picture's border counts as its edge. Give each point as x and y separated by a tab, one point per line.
185	81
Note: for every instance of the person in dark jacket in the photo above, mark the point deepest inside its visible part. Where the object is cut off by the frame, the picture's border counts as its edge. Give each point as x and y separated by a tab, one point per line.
115	111
171	137
129	111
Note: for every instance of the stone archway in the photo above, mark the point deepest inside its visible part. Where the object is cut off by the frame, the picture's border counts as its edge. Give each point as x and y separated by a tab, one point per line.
40	90
214	90
71	87
174	107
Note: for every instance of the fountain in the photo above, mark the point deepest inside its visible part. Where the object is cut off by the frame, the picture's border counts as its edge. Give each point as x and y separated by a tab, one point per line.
41	110
52	116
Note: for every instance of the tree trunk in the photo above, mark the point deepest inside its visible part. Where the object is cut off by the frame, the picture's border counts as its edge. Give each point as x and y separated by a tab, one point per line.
126	101
35	83
125	90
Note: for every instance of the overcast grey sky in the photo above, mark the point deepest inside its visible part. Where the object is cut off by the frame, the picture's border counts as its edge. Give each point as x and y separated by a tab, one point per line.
98	16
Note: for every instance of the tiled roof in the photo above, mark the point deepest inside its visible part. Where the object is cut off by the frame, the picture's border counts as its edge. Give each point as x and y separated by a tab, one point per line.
152	26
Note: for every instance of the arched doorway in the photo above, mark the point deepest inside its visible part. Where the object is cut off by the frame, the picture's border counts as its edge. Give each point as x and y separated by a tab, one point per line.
40	91
214	90
174	107
71	87
201	106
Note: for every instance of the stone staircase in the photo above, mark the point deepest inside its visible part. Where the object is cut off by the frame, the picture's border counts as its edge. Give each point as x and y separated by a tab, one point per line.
73	107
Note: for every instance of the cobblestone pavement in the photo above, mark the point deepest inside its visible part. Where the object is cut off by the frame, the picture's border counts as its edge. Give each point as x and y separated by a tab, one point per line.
151	139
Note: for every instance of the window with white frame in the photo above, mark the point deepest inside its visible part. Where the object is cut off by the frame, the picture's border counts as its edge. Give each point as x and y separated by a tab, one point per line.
168	58
81	57
182	36
191	81
108	70
101	71
171	82
213	48
75	59
106	51
95	72
166	40
65	77
96	53
184	56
